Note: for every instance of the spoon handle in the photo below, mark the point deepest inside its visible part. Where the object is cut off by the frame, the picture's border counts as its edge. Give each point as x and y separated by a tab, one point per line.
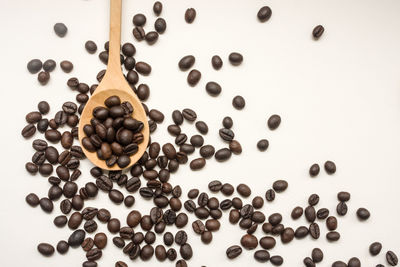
114	62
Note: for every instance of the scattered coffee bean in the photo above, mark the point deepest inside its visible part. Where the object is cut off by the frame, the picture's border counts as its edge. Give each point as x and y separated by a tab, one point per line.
34	66
235	58
91	47
264	14
49	65
363	214
263	144
66	66
213	88
274	121
60	29
375	248
190	15
238	102
330	167
43	77
193	77
391	258
317	255
314	170
45	249
318	31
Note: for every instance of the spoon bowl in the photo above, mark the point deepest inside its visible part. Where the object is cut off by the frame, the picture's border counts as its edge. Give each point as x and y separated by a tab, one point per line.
114	83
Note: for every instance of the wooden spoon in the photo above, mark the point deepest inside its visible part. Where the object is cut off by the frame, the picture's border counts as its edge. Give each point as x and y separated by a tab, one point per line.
114	83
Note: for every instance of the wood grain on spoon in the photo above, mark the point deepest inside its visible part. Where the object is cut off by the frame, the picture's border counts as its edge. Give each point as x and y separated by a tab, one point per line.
114	83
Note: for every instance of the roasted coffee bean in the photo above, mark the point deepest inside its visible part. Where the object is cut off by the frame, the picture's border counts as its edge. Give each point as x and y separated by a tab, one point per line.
33	117
310	214
249	241
103	215
233	251
280	186
151	37
34	66
146	252
90	226
28	130
157	8
273	122
308	262
238	102
333	236
331	223
89	213
42	125
287	235
87	244
160	25
276	260
190	15
267	242
317	255
222	154
66	66
143	68
375	248
226	134
94	254
297	212
45	249
202	213
354	262
75	220
113	225
330	167
46	204
212	225
234	216
171	254
206	237
45	169
32	199
202	127
180	238
38	158
313	200
100	240
193	77
339	264
213	88
322	213
138	33
264	14
314	230
186	62
116	196
52	155
202	199
216	62
391	258
267	227
76	238
189	205
341	208
301	232
261	255
133	218
118	242
186	251
139	20
235	58
343	196
53	135
363	214
243	190
62	247
197	164
314	170
91	47
43	77
55	192
318	31
246	211
66	206
60	29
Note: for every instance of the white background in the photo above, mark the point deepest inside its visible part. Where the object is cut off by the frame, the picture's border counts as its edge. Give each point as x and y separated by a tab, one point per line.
339	99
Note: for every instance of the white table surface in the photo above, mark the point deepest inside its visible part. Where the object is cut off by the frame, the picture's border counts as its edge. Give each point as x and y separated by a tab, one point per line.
339	99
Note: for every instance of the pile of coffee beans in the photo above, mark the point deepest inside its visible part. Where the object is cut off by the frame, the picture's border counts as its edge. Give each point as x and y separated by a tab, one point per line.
113	134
